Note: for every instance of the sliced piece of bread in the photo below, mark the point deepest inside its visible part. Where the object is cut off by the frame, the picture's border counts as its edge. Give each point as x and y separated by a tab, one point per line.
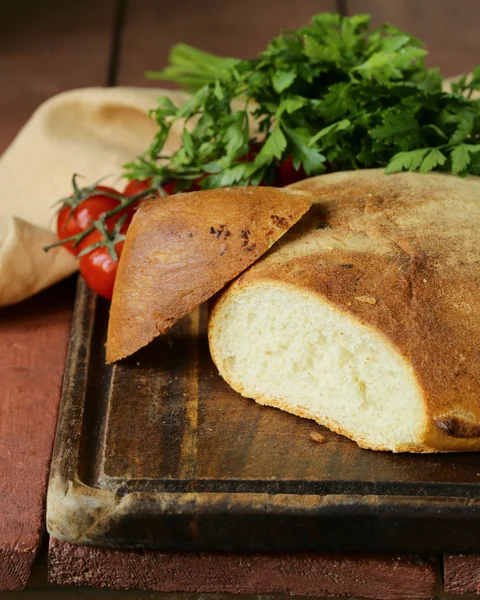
181	250
364	317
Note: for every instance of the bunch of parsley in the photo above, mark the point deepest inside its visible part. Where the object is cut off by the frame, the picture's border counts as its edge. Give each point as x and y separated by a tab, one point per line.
333	95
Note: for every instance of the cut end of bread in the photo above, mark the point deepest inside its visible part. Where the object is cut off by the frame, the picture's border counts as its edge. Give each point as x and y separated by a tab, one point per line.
365	316
183	249
316	361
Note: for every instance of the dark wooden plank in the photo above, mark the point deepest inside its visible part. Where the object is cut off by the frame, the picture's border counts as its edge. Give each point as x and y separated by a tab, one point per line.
461	573
212	470
147	568
448	27
378	577
229	28
46	47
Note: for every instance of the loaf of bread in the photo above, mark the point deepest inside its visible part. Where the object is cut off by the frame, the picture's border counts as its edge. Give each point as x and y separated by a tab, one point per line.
181	250
364	317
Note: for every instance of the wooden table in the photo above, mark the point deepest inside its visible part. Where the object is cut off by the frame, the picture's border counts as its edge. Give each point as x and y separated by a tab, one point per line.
47	46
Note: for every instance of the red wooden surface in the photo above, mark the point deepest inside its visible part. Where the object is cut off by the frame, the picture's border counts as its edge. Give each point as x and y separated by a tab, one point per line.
229	28
45	47
48	46
461	574
449	28
379	577
32	352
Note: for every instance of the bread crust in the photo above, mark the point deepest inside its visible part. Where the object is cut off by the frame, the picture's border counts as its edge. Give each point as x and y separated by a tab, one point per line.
400	254
181	250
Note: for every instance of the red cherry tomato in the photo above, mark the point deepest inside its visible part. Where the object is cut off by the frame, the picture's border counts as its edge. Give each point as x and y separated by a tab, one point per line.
287	174
135	186
97	267
84	214
196	187
169	188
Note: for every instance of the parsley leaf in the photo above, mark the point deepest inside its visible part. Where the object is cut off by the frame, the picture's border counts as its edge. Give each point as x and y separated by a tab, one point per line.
461	157
334	94
408	161
274	146
397	125
310	158
435	157
281	80
333	128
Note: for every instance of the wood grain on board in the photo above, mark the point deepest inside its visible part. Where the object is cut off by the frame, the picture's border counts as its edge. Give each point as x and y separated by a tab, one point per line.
199	467
33	344
448	27
45	47
377	577
240	29
461	573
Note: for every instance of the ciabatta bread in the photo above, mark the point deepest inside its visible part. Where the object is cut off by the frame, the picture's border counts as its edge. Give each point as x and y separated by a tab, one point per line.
181	250
365	316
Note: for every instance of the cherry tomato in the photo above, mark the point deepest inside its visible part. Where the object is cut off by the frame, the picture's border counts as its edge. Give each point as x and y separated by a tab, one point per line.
196	187
84	214
97	267
287	174
169	188
135	186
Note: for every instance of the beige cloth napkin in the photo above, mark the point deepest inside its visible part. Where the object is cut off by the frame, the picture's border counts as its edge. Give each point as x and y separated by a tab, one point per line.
93	132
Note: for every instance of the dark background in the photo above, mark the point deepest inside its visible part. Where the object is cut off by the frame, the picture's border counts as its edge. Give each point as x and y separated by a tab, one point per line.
47	46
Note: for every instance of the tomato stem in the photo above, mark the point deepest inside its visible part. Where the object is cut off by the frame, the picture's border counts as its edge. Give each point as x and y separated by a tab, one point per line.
109	239
123	203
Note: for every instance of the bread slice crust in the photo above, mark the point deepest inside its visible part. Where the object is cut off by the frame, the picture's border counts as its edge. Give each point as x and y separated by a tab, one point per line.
400	255
181	250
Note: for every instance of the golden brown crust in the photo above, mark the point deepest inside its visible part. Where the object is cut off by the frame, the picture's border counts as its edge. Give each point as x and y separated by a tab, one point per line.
181	250
401	254
353	435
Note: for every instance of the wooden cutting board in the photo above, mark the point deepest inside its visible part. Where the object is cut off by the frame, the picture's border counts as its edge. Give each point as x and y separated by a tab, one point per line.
158	452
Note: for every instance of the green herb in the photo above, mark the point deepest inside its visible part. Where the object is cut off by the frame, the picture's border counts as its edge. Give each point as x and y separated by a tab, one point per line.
333	95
